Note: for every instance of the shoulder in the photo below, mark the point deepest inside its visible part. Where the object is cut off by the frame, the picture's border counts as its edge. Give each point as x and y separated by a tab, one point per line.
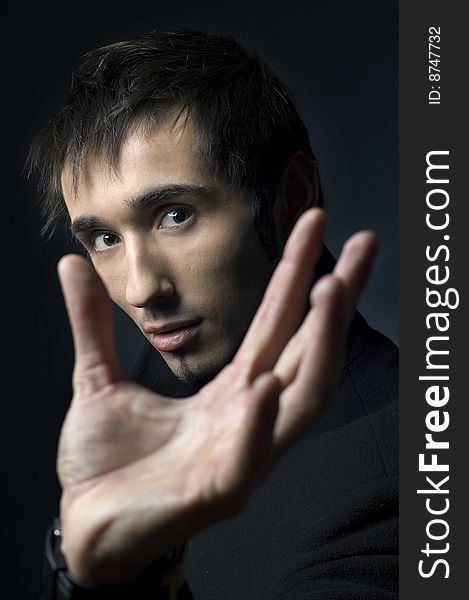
359	430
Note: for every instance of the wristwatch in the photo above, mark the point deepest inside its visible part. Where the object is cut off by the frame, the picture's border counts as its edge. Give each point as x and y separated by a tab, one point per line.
159	582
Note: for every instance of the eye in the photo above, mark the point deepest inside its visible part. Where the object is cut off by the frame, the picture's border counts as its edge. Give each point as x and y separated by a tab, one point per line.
176	217
104	241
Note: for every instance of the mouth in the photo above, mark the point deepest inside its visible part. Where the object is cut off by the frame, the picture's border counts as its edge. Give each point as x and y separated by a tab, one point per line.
173	337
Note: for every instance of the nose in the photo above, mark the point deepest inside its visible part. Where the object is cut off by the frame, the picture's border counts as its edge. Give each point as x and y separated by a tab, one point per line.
147	277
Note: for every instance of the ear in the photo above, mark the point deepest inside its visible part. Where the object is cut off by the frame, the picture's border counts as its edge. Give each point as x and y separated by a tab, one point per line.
298	191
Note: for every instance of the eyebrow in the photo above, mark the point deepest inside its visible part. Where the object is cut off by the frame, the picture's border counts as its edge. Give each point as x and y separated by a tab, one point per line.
150	198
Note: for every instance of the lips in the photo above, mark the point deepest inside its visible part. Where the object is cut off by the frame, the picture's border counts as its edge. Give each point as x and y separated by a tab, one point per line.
169	340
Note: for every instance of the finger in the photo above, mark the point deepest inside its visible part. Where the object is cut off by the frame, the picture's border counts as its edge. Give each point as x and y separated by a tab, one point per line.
251	457
285	299
353	269
354	265
316	374
90	312
289	361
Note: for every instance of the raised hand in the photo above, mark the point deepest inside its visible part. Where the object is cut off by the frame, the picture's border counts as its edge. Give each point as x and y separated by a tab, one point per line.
140	472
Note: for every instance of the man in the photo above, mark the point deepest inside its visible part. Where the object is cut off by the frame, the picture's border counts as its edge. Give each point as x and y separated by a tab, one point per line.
184	168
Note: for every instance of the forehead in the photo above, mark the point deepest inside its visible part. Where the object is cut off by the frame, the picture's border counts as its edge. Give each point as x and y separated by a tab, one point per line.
167	155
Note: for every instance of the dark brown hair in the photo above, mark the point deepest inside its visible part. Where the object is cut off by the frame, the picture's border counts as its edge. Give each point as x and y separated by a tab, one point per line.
244	118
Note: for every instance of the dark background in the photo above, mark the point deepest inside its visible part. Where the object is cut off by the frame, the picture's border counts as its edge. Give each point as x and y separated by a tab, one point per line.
339	60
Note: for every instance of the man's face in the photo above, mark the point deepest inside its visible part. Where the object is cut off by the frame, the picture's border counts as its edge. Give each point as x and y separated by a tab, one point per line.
175	247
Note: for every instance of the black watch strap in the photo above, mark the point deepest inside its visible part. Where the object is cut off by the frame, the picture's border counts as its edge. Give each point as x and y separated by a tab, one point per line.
159	582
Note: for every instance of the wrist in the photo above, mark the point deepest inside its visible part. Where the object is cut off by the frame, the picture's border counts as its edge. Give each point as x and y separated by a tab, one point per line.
83	533
159	581
105	545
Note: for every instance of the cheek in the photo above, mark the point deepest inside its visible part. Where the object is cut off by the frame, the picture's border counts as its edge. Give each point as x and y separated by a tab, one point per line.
230	268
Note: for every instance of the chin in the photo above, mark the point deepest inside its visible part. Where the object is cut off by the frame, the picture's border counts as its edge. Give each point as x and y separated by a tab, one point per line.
195	372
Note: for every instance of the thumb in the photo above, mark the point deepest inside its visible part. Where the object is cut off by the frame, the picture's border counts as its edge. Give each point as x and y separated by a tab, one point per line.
90	313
